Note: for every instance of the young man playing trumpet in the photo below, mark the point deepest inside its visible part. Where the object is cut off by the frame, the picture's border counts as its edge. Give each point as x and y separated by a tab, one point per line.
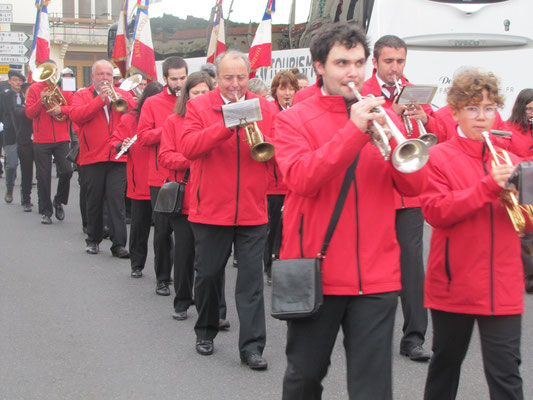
474	271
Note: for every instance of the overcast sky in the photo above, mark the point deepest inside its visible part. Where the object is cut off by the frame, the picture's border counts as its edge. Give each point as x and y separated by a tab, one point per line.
243	10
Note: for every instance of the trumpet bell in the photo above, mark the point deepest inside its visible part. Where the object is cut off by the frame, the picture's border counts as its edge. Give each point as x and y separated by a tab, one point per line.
410	156
262	152
429	139
44	72
120	105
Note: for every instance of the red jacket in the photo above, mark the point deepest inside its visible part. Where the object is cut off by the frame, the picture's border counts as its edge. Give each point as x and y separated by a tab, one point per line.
521	142
306	92
154	113
94	131
170	158
45	128
137	157
315	144
228	187
474	264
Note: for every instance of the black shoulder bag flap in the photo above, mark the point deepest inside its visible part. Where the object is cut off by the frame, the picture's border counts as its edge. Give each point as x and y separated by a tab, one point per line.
297	283
170	197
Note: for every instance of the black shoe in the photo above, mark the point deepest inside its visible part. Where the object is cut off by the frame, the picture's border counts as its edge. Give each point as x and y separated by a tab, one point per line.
136	273
60	213
255	361
9	196
223	324
46	220
84	229
235	263
26	207
180	315
416	353
529	284
205	347
162	288
120	252
92	248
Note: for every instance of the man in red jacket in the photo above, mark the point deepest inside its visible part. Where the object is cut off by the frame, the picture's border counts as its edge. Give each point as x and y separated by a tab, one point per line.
154	113
316	141
228	206
389	60
104	176
51	137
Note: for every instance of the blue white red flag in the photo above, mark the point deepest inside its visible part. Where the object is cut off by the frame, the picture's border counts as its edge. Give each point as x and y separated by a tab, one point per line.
260	54
120	50
40	48
142	58
217	43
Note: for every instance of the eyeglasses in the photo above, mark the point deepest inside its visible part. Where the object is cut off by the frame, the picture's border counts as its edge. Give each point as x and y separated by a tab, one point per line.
473	112
529	110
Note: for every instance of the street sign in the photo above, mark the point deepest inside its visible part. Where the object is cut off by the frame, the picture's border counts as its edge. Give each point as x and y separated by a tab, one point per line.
4	69
14	59
13	49
6	16
6	7
13	37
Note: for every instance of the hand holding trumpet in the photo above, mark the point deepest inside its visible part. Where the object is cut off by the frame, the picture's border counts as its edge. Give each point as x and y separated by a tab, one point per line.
363	112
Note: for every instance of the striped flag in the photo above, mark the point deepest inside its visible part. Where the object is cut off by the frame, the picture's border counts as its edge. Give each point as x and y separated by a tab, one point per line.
40	48
142	56
261	51
217	43
120	51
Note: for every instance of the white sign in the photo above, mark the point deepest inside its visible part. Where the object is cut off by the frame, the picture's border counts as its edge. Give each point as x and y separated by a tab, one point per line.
13	49
14	60
6	7
13	37
6	17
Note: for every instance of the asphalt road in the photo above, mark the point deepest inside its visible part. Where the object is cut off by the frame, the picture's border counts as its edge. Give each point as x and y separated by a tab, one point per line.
76	326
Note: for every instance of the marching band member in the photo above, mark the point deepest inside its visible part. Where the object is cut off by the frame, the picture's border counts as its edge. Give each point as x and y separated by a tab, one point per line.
474	271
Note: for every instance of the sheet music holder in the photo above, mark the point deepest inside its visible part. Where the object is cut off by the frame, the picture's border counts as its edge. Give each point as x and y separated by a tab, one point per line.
241	113
421	94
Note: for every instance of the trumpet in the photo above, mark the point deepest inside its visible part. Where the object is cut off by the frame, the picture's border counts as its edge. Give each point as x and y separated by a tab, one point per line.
287	103
119	104
260	150
406	121
508	198
409	155
47	73
126	148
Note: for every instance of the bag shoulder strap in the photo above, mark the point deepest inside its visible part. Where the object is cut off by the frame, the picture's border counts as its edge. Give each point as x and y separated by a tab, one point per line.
338	206
186	176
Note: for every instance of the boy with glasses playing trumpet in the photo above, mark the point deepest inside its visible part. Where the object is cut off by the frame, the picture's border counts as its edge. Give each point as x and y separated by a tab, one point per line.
474	270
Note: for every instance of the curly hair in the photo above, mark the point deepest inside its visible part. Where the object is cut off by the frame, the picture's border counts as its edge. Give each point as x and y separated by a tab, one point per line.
467	89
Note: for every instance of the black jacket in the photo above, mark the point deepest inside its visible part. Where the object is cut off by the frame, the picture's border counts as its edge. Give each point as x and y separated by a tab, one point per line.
17	127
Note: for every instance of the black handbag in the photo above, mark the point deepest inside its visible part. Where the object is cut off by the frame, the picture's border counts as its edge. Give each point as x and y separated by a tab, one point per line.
74	152
170	198
297	282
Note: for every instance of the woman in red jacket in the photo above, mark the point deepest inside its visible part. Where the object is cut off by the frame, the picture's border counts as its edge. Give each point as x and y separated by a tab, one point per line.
170	157
137	187
474	270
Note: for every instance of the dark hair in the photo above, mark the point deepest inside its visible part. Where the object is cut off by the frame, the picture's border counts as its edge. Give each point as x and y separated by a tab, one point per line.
345	34
49	60
14	72
388	41
210	69
174	62
298	74
192	80
150	90
282	79
518	115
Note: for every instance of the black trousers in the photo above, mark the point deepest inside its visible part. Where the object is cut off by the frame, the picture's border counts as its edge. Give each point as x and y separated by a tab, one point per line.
105	182
141	221
367	322
43	153
500	347
273	243
83	196
162	241
527	259
25	153
183	262
409	232
213	245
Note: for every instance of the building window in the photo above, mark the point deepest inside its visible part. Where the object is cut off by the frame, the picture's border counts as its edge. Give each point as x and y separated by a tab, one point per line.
68	8
100	8
87	76
84	9
116	6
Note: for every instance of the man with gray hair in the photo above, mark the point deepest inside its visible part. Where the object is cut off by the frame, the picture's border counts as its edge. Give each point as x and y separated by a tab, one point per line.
227	207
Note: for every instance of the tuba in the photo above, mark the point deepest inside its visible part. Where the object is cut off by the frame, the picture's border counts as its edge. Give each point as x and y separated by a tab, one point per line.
47	72
508	198
132	83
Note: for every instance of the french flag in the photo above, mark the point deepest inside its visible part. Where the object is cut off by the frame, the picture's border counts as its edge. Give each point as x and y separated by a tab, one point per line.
217	43
260	54
40	48
142	52
120	51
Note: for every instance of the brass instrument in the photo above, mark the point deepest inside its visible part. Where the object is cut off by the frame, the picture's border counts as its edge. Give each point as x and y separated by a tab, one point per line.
119	104
287	103
47	72
260	150
406	121
126	148
132	83
530	124
409	155
508	198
